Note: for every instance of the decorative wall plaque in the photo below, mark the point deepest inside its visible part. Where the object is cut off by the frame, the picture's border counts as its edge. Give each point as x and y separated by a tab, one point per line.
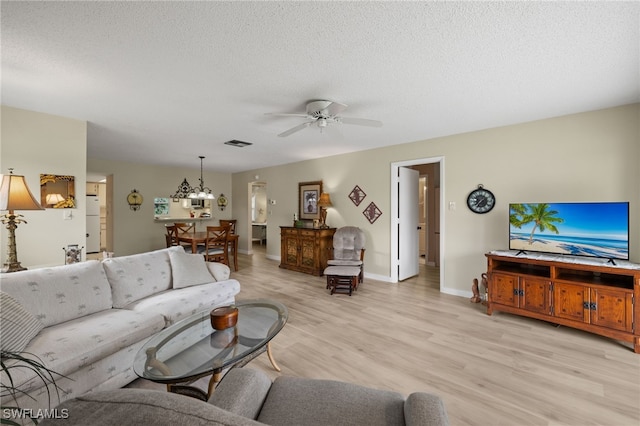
357	195
372	212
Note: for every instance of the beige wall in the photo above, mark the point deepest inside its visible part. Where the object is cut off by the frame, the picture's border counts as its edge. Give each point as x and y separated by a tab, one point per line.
136	231
592	156
33	143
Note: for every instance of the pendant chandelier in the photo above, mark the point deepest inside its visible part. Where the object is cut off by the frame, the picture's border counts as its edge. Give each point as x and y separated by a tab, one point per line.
199	192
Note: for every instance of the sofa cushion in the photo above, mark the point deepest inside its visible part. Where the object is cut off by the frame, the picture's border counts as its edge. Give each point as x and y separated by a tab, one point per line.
143	407
17	325
189	269
61	293
180	303
137	276
328	402
69	346
220	271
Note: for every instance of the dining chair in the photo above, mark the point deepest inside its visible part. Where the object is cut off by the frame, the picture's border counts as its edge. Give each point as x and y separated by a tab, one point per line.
187	228
170	236
232	238
231	223
217	244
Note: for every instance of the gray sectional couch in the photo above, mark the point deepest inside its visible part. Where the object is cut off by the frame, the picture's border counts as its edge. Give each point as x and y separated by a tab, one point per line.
87	320
247	397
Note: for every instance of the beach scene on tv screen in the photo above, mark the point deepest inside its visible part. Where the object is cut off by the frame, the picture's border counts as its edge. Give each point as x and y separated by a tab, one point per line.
579	229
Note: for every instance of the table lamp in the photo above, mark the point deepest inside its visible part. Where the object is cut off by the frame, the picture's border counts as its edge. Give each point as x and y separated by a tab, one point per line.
53	199
15	195
323	203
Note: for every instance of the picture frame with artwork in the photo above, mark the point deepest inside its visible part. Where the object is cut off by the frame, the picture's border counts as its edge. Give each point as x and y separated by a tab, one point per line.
308	196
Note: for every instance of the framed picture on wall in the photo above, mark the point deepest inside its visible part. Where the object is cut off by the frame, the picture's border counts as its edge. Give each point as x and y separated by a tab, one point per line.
308	196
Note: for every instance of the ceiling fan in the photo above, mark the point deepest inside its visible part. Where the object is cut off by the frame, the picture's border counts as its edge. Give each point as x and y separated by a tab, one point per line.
321	114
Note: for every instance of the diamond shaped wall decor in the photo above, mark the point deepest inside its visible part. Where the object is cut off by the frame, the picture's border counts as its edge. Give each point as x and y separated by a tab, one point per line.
372	212
357	195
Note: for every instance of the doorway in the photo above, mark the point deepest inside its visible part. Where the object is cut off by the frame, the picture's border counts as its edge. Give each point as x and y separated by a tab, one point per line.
432	170
101	187
258	217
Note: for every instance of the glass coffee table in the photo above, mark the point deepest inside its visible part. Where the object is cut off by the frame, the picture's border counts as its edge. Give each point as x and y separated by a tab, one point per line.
191	348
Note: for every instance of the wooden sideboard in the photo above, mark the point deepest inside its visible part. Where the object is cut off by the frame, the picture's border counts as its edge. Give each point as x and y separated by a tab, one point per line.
305	249
600	299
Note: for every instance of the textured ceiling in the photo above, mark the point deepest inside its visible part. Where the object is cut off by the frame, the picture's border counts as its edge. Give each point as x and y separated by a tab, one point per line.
165	82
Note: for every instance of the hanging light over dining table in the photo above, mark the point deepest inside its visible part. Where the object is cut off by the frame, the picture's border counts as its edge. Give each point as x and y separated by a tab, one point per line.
199	192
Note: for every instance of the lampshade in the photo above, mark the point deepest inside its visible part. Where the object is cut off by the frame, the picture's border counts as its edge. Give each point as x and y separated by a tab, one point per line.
52	199
325	200
15	194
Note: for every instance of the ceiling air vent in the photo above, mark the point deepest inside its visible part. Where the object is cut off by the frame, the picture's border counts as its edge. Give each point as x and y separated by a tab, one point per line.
237	143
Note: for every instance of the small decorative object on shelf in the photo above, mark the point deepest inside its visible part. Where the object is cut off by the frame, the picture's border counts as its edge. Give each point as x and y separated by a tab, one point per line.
72	254
224	317
135	200
357	195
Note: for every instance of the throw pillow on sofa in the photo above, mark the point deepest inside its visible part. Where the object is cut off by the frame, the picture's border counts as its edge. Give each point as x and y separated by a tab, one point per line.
137	276
189	269
17	325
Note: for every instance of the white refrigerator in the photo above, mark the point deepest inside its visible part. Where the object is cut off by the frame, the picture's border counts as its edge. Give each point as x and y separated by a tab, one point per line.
93	224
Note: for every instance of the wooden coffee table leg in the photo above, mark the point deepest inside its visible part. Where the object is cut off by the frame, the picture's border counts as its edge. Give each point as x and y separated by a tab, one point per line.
270	355
215	378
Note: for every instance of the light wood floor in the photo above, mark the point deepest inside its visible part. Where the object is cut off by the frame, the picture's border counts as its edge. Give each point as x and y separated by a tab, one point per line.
407	337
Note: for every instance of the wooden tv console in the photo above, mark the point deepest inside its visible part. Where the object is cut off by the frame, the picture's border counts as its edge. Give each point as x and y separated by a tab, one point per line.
581	293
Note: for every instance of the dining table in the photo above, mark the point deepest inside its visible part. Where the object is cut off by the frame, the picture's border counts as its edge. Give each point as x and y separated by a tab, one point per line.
200	237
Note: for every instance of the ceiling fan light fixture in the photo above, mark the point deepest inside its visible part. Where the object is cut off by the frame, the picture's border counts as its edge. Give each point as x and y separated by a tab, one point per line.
321	113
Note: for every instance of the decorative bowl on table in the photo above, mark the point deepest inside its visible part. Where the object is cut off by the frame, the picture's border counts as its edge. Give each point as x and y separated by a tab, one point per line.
224	317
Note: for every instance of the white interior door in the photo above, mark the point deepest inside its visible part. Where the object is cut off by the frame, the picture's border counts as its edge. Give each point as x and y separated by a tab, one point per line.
408	214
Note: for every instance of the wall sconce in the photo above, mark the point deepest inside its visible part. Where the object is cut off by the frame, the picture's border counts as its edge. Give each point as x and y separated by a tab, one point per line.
135	200
15	195
323	203
222	202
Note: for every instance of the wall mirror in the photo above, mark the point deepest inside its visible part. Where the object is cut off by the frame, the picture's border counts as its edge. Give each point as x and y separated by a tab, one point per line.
57	191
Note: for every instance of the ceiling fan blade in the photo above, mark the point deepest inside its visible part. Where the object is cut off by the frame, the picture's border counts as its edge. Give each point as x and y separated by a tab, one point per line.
286	114
296	129
335	108
360	121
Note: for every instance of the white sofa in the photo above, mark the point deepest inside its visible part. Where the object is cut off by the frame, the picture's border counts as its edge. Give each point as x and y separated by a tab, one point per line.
87	320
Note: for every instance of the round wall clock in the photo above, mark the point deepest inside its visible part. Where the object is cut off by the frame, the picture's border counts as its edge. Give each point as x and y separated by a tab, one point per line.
481	200
134	199
222	202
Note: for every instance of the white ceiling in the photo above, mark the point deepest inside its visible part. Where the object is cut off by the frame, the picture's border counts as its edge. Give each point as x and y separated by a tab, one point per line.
165	82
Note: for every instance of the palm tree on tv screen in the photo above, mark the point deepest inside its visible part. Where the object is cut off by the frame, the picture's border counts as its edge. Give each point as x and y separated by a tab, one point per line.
539	214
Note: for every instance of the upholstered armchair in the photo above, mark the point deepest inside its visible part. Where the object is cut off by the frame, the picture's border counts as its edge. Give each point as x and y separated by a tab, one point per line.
348	248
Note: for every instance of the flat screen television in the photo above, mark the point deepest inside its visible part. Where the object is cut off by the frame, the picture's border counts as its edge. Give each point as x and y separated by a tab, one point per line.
578	229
